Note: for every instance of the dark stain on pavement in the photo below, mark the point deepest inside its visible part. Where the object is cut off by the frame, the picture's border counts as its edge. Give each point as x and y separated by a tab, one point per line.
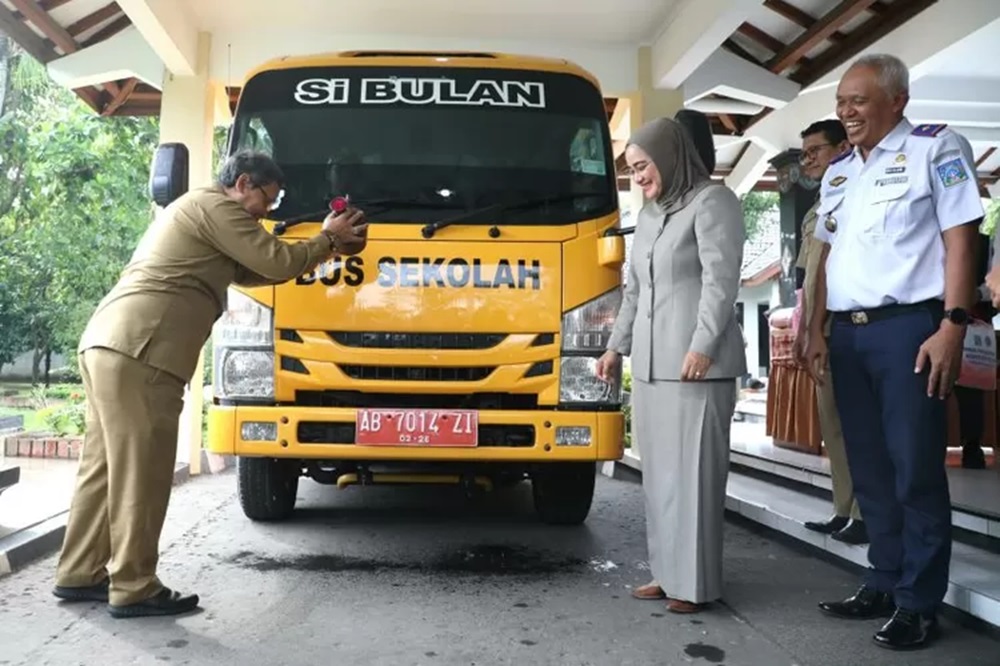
480	559
709	653
177	643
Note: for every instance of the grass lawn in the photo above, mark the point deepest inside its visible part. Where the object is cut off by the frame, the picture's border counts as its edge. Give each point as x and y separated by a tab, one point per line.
34	404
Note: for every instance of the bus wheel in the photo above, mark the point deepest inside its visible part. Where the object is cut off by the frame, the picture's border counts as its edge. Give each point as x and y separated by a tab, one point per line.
563	492
267	487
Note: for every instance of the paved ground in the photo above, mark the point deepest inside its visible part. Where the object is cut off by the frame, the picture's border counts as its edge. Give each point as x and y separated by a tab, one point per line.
418	576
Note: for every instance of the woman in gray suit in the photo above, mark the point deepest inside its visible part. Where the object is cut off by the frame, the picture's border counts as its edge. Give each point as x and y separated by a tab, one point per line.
678	323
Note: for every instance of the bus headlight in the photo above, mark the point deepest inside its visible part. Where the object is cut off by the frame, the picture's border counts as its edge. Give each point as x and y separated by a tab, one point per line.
243	350
586	329
578	382
585	334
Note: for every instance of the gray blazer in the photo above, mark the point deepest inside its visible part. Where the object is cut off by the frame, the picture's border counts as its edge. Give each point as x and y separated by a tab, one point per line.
680	293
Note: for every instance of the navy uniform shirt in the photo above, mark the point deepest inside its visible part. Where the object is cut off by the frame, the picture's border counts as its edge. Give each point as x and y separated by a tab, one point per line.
884	218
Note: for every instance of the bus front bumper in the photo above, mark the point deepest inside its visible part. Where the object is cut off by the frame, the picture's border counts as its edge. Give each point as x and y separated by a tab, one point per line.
329	434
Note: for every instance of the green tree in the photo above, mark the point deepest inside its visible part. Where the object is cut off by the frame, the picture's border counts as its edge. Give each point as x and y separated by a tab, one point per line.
77	208
756	206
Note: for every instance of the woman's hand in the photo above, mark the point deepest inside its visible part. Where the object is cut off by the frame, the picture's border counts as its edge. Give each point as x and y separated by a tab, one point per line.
607	366
695	366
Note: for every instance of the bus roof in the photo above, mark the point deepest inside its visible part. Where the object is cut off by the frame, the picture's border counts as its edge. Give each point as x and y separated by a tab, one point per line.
443	58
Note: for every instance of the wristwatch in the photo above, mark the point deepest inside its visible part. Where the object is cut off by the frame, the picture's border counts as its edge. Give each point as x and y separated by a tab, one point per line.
957	316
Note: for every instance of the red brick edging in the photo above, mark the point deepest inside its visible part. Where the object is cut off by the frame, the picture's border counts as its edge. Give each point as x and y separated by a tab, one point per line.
25	445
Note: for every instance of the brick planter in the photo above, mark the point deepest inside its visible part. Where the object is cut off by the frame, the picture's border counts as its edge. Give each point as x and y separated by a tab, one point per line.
41	445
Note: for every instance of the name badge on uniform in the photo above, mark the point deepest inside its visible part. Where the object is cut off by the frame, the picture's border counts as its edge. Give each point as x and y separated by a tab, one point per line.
830	224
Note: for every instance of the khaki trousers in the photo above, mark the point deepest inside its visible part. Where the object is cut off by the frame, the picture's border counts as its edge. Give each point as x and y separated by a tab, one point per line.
844	503
125	476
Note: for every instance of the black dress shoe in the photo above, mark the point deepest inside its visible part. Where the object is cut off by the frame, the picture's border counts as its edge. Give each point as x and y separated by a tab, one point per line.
907	631
864	605
973	457
835	524
97	592
164	602
854	534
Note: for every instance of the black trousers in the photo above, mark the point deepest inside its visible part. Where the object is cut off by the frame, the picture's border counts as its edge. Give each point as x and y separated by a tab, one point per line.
895	439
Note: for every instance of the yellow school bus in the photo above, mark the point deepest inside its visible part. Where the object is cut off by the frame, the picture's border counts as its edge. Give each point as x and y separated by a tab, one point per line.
460	346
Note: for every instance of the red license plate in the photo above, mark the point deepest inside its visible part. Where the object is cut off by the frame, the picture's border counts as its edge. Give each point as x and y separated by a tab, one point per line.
417	427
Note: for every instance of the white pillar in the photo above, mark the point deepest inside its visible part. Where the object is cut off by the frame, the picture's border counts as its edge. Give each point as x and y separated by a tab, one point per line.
187	115
645	104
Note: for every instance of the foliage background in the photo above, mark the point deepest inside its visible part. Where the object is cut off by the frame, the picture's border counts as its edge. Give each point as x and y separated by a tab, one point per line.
72	207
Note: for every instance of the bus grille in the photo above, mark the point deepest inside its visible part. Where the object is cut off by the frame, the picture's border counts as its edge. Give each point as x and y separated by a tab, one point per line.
418	340
416	374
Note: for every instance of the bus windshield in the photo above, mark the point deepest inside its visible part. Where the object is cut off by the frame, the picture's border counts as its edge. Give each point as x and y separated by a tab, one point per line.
426	143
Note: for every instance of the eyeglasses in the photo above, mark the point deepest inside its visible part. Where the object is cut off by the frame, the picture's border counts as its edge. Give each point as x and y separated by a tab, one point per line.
274	203
812	152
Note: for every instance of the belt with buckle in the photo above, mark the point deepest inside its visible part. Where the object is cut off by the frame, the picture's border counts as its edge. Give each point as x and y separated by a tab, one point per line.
862	317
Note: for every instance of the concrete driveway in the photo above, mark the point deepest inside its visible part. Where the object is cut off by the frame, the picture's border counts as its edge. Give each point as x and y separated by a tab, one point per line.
421	576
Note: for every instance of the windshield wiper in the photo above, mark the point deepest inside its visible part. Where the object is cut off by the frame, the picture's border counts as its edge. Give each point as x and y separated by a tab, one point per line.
365	205
428	230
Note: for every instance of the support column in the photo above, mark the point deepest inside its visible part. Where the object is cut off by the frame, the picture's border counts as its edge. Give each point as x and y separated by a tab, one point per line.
645	104
798	194
187	115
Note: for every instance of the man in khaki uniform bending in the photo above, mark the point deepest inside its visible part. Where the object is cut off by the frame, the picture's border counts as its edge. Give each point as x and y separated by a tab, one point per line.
821	142
139	350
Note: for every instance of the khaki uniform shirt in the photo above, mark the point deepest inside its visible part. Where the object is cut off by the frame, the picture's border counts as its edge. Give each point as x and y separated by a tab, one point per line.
162	310
809	256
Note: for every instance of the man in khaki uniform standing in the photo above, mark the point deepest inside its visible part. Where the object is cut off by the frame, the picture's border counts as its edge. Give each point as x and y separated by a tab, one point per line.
822	142
137	353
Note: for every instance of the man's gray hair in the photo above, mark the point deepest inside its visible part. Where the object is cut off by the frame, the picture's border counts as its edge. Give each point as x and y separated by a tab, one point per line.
259	167
893	74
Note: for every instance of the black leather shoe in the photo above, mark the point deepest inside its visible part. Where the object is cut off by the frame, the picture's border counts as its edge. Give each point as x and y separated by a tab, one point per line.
973	457
864	605
98	592
907	631
835	524
164	602
854	534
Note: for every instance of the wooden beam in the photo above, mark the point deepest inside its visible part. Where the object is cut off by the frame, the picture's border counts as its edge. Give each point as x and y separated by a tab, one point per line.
873	30
986	155
798	17
820	31
41	19
49	5
123	96
91	96
145	96
38	48
94	19
772	44
108	31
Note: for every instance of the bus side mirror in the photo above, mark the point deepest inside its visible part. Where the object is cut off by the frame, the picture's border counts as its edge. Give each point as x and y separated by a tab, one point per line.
611	250
168	177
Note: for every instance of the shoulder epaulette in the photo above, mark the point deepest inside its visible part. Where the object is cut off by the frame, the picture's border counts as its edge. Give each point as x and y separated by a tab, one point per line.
929	130
843	156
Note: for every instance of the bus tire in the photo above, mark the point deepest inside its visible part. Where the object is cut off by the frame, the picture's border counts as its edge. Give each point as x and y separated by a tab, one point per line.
267	488
563	493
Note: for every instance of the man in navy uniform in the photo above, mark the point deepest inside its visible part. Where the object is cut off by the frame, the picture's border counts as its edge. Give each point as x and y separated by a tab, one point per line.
899	214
